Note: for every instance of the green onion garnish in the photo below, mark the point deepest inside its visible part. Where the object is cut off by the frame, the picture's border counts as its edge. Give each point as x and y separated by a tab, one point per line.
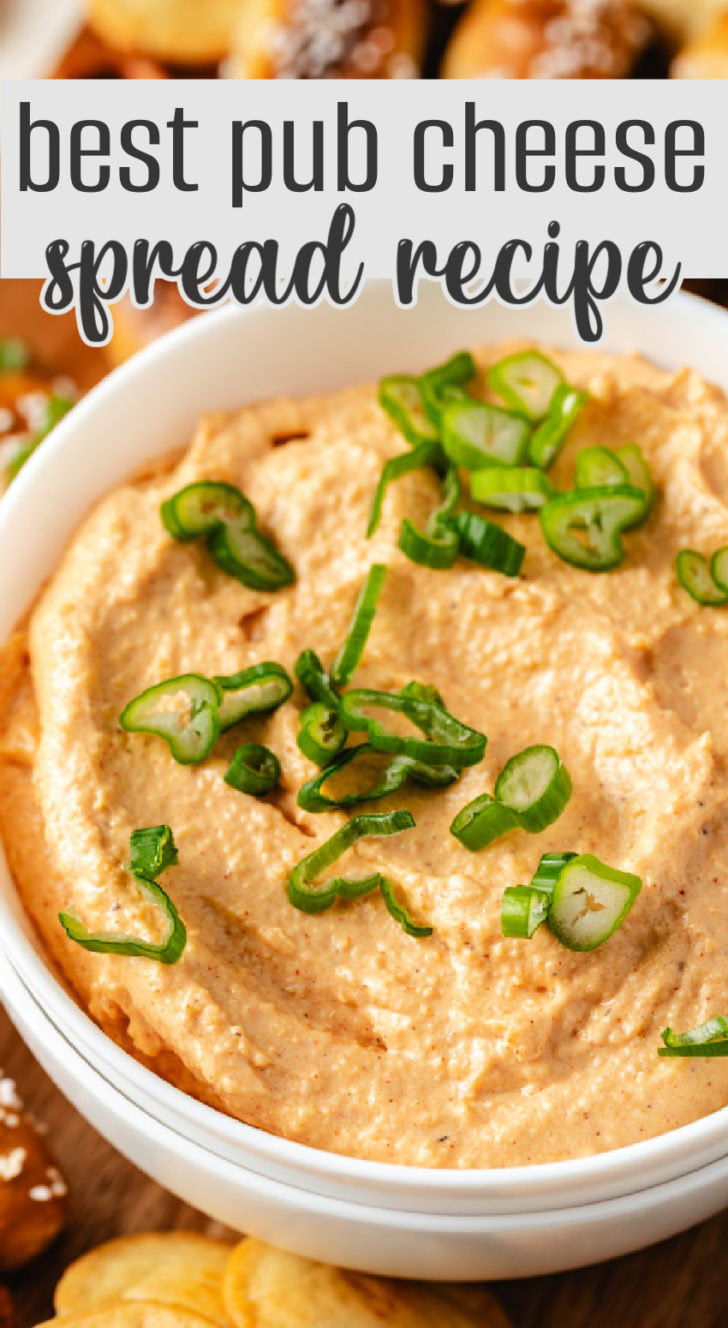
315	680
400	396
15	354
523	909
253	691
254	769
512	488
400	914
476	435
708	1039
530	793
638	473
55	409
303	891
388	779
437	546
487	544
153	850
549	436
184	711
447	740
597	466
365	608
548	871
425	454
589	902
526	382
583	527
321	734
220	514
697	576
444	384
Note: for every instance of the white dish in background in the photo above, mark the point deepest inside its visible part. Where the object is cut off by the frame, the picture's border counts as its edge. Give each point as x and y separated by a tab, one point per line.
490	1223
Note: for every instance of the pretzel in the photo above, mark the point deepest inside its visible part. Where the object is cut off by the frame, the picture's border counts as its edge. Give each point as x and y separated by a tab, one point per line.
546	39
682	20
183	32
336	39
90	57
706	54
32	1190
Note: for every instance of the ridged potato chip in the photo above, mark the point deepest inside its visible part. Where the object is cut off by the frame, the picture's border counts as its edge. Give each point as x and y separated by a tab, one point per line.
132	1314
178	1268
266	1288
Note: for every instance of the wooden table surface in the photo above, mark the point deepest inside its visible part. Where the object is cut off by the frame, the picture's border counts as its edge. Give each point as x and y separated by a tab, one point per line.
682	1283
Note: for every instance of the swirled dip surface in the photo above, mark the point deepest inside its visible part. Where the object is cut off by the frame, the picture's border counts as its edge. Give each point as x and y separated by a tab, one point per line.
465	1049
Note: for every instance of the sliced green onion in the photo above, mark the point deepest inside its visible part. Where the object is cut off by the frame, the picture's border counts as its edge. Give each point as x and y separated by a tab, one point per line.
523	909
391	777
183	711
254	769
719	568
476	435
438	545
315	680
590	901
226	519
444	383
155	849
425	454
447	740
531	792
311	897
548	871
399	912
695	575
435	397
708	1039
537	785
55	409
322	734
583	527
201	508
597	466
422	691
549	437
358	634
486	543
253	691
482	821
512	488
400	396
638	473
15	354
526	382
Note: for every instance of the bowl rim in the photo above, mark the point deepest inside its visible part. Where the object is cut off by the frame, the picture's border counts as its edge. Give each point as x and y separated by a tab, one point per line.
167	1138
673	1150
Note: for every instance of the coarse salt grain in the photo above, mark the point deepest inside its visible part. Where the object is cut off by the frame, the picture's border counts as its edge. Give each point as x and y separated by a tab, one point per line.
12	1163
9	1095
40	1194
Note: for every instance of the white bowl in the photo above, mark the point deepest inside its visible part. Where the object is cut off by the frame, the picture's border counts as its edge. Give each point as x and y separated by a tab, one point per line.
142	411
